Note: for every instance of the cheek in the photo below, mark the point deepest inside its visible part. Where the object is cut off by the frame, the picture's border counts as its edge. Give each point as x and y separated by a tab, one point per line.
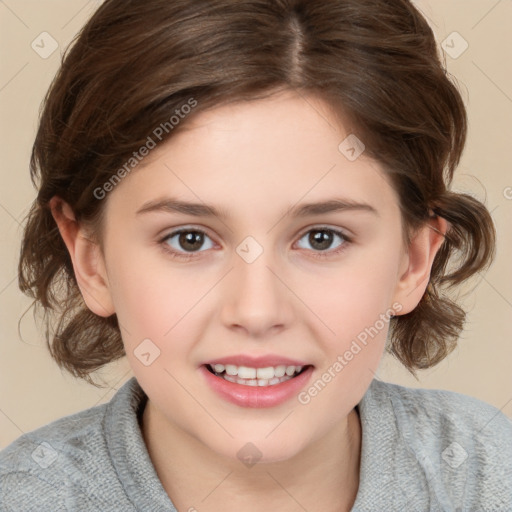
156	300
148	303
356	310
355	295
353	306
360	322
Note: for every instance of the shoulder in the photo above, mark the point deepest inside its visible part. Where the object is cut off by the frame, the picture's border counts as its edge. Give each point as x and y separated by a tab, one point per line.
446	412
47	467
460	446
77	433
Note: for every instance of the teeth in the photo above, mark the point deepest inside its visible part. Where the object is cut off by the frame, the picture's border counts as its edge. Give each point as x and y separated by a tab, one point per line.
247	373
264	373
256	374
290	370
231	369
255	382
279	371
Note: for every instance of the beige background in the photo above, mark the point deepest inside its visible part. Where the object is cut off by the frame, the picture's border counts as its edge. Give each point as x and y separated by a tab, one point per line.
33	391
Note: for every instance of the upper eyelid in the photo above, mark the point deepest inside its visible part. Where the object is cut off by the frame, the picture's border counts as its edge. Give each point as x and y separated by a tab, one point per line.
343	231
176	231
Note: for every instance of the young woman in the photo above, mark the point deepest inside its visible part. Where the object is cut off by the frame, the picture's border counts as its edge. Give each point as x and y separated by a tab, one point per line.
250	200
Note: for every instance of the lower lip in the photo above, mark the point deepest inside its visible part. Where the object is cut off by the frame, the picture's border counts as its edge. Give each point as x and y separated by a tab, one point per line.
257	396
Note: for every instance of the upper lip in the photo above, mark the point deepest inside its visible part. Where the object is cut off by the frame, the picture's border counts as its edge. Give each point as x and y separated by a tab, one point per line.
257	362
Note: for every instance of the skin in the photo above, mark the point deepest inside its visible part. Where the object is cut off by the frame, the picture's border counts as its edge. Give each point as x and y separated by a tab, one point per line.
255	160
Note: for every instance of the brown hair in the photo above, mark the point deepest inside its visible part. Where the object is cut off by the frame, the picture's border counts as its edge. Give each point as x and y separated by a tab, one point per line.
135	63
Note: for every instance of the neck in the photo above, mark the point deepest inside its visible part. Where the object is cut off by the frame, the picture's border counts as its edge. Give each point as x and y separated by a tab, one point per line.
323	476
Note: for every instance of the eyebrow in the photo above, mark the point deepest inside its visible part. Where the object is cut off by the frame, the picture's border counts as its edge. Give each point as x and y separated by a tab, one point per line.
171	205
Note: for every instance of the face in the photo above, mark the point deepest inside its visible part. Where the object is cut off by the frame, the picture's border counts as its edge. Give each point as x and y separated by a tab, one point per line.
255	279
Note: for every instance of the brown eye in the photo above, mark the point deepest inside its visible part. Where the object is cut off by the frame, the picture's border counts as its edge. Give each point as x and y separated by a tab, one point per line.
191	240
185	242
321	240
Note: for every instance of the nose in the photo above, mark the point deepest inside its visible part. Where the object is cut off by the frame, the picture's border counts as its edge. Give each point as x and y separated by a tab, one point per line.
256	298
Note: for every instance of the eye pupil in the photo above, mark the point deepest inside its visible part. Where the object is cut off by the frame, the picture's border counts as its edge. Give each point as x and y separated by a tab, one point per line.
322	237
191	240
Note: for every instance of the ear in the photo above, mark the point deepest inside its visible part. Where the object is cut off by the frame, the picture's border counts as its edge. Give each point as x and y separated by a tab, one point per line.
87	258
414	274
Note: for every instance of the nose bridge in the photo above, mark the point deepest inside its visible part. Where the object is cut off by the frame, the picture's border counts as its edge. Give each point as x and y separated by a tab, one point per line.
257	298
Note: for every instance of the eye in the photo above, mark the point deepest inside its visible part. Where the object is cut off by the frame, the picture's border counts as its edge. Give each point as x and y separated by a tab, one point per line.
321	239
185	242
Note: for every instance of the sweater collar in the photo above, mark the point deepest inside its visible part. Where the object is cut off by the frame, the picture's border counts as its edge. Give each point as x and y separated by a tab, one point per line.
128	451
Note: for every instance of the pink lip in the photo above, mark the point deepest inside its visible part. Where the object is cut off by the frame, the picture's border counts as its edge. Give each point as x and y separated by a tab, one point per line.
257	362
257	396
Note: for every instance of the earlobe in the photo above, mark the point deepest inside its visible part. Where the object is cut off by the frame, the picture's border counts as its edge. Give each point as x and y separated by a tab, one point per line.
414	280
88	264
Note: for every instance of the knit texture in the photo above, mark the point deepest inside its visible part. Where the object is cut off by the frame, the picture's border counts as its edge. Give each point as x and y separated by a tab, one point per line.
422	450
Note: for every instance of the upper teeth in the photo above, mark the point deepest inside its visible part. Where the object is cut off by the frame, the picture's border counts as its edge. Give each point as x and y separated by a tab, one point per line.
245	372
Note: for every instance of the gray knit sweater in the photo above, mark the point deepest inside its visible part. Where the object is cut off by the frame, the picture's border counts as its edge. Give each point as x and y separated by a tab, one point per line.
422	450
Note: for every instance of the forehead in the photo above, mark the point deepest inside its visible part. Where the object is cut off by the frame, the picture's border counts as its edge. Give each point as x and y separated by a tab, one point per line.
278	151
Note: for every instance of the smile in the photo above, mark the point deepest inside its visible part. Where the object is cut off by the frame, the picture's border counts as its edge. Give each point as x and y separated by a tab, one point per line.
247	376
256	392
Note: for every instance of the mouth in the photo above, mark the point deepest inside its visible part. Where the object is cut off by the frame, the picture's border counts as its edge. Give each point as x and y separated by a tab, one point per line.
256	377
259	384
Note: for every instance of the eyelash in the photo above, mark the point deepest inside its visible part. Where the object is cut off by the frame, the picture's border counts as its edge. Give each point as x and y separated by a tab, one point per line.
317	254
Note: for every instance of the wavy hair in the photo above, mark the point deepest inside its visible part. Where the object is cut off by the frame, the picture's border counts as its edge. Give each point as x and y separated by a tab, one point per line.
375	62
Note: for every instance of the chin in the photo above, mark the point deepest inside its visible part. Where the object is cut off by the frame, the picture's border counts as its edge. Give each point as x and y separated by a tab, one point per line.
251	450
